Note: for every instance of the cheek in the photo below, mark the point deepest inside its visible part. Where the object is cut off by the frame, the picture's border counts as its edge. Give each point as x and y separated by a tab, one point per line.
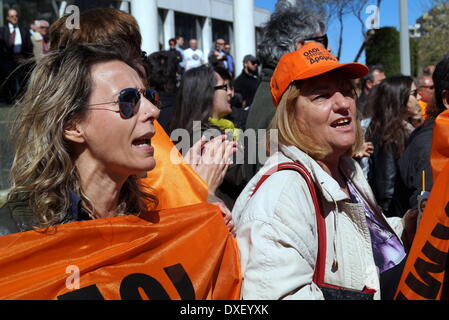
106	136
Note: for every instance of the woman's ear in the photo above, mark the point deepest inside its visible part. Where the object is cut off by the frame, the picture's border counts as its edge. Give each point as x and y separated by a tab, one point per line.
73	132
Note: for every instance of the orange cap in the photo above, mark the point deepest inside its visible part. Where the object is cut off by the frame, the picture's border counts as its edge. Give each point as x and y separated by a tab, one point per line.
309	61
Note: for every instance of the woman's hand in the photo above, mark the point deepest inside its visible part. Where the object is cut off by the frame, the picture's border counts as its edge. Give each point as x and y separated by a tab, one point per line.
211	159
410	224
227	216
365	151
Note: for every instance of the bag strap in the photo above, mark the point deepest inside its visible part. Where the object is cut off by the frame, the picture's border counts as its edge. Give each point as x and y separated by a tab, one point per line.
318	275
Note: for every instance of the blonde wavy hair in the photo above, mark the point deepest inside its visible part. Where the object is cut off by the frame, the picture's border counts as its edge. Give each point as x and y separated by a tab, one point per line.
43	172
289	133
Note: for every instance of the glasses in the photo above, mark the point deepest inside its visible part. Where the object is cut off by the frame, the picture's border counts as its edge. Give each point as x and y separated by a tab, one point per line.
222	87
428	87
323	40
414	93
128	101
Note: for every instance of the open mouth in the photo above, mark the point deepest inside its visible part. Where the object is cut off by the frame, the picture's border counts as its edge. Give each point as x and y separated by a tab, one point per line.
142	142
341	123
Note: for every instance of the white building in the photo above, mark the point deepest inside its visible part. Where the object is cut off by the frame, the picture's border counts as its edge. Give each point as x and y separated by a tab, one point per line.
238	22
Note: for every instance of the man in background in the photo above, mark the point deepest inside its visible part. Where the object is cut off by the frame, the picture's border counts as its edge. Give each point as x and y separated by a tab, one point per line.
247	82
288	29
40	38
375	76
217	56
426	91
193	57
15	47
230	59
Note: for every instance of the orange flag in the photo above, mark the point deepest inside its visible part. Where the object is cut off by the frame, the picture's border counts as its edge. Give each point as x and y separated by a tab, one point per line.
184	253
425	275
175	184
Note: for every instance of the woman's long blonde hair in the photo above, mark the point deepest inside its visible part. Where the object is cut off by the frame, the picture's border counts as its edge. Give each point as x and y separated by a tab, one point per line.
43	172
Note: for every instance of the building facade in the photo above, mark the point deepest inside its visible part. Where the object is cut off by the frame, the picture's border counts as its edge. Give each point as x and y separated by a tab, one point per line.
238	22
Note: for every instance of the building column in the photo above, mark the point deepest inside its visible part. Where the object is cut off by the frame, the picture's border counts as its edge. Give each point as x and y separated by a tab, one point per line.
244	30
146	14
169	27
2	21
206	34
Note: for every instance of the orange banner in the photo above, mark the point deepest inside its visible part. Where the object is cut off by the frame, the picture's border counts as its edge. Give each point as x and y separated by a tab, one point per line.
184	253
425	275
175	184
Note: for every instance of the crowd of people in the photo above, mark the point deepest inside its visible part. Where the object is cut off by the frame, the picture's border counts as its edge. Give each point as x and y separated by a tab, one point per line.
330	214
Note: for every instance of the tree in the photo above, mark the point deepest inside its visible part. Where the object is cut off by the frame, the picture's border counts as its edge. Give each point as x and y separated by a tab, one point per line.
433	44
383	47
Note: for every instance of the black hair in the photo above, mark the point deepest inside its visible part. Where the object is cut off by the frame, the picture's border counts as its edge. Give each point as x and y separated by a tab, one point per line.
387	104
441	82
370	75
161	68
195	98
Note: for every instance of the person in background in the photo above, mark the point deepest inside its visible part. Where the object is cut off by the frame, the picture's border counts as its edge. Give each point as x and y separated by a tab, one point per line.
193	57
426	91
247	82
288	29
15	48
40	38
217	56
230	59
162	77
416	157
388	131
276	216
373	78
179	59
180	47
33	27
203	101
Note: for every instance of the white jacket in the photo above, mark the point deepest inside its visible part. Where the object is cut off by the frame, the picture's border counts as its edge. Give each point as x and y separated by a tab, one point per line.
277	233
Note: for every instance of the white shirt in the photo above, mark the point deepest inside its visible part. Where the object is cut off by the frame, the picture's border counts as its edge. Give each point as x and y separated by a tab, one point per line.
18	39
193	58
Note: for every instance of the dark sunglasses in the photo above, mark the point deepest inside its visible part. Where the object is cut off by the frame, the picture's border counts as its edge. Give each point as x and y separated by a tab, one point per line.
222	87
414	93
324	40
428	87
128	101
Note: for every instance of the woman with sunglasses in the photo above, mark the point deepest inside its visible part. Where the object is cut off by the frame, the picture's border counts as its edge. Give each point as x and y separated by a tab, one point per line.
80	149
392	105
203	101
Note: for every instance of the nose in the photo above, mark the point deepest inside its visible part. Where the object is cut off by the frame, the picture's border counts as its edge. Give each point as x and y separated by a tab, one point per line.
342	102
148	111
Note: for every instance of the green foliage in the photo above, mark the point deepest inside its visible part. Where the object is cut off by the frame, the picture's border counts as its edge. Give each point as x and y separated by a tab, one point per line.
433	44
383	47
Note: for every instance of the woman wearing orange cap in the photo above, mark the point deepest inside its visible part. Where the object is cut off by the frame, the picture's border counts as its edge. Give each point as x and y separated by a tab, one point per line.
308	226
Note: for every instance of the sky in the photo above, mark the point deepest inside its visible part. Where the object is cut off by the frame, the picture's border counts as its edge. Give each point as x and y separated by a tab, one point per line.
352	35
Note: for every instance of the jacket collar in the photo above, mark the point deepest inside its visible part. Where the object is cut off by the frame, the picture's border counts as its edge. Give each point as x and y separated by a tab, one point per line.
330	189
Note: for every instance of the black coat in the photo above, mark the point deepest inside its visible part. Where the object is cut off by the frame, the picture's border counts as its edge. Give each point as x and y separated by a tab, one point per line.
6	52
413	161
246	84
383	165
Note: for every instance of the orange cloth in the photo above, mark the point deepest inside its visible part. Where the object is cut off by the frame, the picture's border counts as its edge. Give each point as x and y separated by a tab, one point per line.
175	185
423	106
424	276
183	253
